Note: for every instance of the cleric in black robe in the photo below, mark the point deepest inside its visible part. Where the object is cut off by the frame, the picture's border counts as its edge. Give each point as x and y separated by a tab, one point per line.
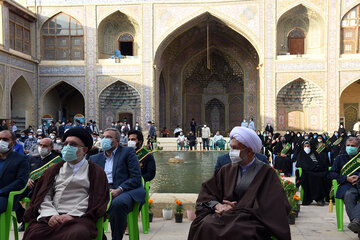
244	199
283	162
313	179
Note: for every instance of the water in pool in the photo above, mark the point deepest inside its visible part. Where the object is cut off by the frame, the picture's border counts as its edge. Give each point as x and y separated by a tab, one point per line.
184	177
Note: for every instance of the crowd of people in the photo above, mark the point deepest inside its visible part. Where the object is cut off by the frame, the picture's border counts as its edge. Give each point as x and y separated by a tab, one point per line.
69	170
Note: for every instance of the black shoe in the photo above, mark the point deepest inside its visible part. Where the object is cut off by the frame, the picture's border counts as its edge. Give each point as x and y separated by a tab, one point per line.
21	228
320	203
354	226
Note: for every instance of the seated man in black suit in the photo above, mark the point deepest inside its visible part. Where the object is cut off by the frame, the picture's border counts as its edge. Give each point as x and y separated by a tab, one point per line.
38	165
146	159
14	168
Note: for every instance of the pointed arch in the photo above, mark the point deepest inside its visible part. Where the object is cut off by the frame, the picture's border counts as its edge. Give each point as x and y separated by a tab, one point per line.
349	31
62	38
111	28
62	101
299	106
186	24
350	104
310	21
22	103
119	100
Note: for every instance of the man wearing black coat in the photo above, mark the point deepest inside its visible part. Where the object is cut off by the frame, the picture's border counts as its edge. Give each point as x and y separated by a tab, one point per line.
14	168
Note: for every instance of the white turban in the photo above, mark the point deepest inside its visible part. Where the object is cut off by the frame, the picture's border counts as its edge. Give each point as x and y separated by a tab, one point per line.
248	137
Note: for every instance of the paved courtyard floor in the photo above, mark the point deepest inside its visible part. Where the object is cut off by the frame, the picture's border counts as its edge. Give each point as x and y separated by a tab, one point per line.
314	222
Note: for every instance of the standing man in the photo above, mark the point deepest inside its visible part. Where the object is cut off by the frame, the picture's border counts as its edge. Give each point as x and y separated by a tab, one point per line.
137	127
193	126
251	124
269	128
356	127
146	159
152	135
14	168
347	177
205	135
122	169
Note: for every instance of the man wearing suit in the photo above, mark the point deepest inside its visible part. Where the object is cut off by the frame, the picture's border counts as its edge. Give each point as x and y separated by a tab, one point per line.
225	159
14	168
122	169
347	189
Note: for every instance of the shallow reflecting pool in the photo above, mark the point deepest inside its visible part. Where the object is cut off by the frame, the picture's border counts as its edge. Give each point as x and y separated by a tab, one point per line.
184	177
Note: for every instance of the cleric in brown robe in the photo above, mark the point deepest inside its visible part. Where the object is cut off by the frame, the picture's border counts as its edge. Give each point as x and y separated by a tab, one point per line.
244	199
70	196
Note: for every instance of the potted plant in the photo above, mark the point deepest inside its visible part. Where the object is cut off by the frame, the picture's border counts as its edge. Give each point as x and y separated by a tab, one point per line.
190	213
179	211
291	217
167	213
151	214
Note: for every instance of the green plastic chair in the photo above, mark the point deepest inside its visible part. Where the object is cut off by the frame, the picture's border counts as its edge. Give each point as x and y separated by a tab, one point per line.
145	209
100	223
132	221
339	206
301	189
7	216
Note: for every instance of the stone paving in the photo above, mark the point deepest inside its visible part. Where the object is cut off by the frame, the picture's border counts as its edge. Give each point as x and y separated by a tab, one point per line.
314	222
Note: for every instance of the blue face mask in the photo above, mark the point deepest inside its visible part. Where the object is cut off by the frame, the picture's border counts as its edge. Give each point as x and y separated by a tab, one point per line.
306	138
69	153
106	144
352	151
336	134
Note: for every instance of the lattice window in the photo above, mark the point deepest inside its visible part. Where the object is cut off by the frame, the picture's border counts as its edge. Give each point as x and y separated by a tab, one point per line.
126	44
62	38
350	31
19	33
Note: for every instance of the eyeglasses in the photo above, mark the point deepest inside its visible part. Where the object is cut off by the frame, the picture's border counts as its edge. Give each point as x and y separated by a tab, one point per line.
73	144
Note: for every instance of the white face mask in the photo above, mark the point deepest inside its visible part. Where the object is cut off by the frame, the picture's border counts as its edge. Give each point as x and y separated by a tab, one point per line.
132	144
319	140
235	156
58	141
52	136
43	151
307	150
4	146
38	141
204	126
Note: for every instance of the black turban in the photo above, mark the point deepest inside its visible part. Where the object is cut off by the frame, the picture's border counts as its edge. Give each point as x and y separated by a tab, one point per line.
81	133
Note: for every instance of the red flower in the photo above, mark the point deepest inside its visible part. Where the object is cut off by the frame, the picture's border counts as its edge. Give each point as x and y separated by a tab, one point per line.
288	181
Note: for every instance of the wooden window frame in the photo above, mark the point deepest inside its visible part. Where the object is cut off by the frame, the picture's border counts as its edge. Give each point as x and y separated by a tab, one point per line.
303	38
70	47
354	41
13	36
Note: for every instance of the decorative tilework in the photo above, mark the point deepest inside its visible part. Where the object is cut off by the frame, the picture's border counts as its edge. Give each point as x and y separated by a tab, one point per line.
147	66
62	70
301	66
333	40
347	78
105	81
17	62
91	108
49	82
269	93
353	64
124	69
284	78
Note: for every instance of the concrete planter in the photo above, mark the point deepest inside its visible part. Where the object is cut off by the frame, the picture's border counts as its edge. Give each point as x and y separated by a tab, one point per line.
167	214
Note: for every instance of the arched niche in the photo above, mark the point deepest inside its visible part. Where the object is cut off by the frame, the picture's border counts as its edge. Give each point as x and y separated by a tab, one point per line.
112	31
306	20
350	31
188	64
117	101
349	104
63	102
215	115
299	106
22	104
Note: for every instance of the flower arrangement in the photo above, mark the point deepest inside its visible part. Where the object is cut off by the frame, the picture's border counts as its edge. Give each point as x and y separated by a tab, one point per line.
150	205
179	207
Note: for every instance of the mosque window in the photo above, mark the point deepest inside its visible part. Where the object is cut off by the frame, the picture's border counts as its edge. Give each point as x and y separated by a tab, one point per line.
296	39
350	31
126	44
19	33
62	38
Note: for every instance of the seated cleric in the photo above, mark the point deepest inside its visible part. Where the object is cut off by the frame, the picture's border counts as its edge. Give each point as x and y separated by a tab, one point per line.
70	196
244	199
